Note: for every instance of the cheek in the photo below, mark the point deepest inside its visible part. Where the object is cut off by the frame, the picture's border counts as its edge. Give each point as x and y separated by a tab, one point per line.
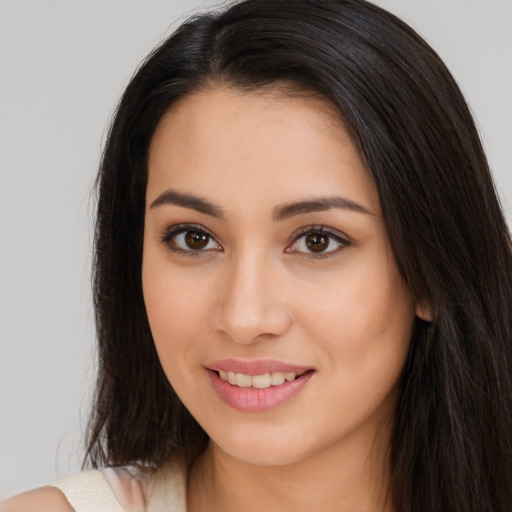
364	321
177	318
172	312
176	309
365	333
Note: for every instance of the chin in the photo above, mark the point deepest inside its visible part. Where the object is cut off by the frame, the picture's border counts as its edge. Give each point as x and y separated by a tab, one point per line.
263	455
264	445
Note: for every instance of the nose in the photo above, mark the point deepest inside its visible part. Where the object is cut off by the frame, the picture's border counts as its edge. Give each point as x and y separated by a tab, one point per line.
251	302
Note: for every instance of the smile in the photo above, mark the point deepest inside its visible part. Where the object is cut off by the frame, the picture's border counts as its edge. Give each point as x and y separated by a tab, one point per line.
258	381
257	386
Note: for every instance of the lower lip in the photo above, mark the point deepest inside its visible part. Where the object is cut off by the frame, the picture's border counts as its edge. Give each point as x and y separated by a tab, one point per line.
257	400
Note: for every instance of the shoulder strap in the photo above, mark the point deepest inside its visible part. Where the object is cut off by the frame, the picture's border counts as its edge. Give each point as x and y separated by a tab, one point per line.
88	492
169	488
123	490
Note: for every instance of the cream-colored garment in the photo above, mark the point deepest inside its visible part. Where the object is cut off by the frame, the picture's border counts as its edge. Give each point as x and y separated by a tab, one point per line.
126	490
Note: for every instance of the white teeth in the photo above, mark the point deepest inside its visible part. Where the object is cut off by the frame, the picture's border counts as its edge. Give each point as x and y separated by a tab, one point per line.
243	381
276	378
257	381
261	381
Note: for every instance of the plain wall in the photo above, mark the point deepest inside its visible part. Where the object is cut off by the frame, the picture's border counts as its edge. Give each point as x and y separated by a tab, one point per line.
63	66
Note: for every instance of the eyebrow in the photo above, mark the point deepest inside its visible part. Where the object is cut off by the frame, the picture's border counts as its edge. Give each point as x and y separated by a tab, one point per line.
280	213
318	205
188	201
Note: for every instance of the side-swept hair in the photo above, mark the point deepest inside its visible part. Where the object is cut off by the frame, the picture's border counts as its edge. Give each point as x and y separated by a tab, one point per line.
451	446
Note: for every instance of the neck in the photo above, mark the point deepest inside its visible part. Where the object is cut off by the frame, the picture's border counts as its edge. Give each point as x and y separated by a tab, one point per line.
350	477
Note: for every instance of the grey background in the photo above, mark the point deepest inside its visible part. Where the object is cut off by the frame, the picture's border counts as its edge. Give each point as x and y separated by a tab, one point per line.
63	65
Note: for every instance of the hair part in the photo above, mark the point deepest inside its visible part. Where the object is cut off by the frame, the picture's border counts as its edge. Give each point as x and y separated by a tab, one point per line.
451	446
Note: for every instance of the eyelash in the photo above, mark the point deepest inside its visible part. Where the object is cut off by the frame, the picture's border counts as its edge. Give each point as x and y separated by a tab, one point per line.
179	229
333	235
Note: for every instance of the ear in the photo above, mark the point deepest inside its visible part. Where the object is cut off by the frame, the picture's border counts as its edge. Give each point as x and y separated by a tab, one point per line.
424	311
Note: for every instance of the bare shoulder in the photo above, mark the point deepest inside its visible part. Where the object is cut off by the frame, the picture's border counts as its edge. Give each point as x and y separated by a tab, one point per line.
45	499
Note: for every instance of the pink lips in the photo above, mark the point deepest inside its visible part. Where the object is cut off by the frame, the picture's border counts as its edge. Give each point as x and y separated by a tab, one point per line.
252	399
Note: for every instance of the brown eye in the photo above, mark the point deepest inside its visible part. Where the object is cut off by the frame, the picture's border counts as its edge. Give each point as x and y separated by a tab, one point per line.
187	239
196	240
317	242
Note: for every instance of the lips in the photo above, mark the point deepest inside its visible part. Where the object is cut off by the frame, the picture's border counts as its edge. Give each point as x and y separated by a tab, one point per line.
256	367
257	386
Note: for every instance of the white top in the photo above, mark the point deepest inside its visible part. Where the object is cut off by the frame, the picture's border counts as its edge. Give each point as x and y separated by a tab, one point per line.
126	489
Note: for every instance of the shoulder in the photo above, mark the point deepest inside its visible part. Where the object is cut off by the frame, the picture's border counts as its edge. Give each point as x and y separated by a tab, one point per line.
83	492
45	499
122	489
108	490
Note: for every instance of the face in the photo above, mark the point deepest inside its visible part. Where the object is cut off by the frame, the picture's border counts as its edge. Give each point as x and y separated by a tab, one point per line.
278	312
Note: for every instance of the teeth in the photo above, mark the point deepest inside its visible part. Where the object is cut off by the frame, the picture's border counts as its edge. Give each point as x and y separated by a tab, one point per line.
257	381
243	381
261	381
277	378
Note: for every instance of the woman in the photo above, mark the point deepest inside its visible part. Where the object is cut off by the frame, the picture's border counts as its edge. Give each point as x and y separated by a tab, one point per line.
302	277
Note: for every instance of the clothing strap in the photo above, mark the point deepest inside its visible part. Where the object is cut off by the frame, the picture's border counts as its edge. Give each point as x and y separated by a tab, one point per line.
169	488
125	490
88	492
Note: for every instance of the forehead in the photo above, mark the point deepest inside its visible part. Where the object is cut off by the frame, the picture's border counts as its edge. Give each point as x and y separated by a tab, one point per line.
265	143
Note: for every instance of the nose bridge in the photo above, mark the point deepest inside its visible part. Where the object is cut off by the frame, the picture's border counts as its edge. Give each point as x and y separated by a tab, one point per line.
252	303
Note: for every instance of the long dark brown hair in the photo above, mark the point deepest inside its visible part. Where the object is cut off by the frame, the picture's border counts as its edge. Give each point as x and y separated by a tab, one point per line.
451	446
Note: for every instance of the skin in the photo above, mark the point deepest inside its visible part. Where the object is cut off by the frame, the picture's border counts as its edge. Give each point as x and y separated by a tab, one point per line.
257	291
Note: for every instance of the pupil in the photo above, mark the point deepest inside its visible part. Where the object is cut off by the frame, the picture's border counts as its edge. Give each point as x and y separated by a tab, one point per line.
317	242
196	240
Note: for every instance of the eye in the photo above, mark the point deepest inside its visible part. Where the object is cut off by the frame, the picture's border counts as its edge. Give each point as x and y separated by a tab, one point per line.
319	242
190	238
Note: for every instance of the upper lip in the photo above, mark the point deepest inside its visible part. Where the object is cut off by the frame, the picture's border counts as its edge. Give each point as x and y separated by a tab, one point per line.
256	367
